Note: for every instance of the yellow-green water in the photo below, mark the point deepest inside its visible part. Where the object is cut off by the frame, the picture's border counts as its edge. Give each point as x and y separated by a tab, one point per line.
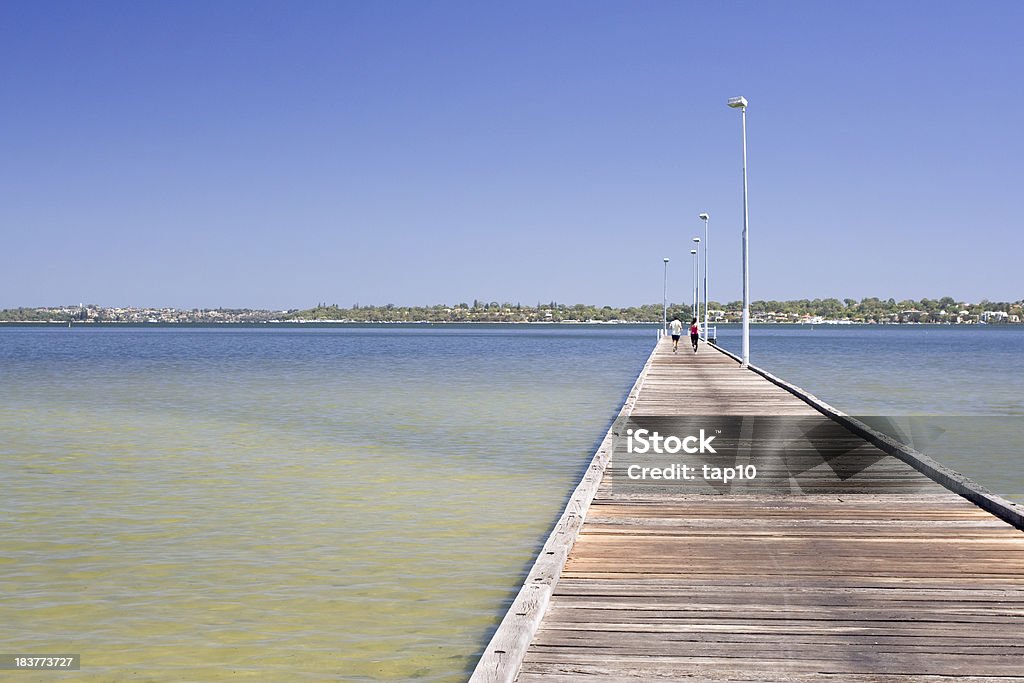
284	505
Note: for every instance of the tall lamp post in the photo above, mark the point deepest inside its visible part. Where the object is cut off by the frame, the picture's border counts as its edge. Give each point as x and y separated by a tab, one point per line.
664	300
693	252
704	217
696	280
741	104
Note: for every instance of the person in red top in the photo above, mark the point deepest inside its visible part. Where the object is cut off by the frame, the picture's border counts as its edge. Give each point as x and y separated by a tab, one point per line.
694	334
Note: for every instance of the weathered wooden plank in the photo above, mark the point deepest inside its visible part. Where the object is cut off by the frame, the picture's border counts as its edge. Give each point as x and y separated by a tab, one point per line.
614	637
645	644
899	664
596	673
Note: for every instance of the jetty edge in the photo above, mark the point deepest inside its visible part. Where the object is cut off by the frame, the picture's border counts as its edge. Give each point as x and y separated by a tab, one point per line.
1004	509
507	647
505	653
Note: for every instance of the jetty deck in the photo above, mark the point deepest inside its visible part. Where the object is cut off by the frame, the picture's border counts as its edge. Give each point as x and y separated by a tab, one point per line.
900	579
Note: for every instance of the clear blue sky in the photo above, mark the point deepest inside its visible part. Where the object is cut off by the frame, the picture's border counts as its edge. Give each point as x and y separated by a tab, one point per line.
277	154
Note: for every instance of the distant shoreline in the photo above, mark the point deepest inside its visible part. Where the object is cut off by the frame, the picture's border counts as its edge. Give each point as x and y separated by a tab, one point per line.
871	310
470	323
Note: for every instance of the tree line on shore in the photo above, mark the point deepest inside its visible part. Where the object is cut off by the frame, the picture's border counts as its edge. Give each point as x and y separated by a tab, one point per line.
871	309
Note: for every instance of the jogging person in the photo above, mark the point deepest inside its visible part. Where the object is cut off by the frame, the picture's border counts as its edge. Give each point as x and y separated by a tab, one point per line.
694	334
677	329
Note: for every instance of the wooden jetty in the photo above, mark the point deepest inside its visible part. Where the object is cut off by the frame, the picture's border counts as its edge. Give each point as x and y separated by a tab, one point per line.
917	577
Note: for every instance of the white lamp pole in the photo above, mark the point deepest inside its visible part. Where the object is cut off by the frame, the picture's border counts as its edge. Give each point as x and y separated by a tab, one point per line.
696	280
693	252
664	300
741	104
704	217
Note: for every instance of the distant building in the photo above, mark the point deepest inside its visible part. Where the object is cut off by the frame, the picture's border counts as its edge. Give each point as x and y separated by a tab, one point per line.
995	317
911	316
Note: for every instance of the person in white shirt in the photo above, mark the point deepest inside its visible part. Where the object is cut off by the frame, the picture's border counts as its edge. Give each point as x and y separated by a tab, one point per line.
677	329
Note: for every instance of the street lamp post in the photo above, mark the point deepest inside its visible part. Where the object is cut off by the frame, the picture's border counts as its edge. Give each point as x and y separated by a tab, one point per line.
704	217
696	280
741	104
693	252
664	300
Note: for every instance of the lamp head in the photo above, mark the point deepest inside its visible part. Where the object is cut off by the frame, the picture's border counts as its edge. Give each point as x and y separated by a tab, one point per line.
703	216
693	251
697	240
666	259
737	102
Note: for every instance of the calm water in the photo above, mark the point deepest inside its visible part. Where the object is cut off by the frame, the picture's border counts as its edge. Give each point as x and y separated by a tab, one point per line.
302	504
198	504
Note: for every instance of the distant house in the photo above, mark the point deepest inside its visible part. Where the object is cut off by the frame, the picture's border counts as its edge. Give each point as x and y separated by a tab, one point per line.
995	317
911	316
